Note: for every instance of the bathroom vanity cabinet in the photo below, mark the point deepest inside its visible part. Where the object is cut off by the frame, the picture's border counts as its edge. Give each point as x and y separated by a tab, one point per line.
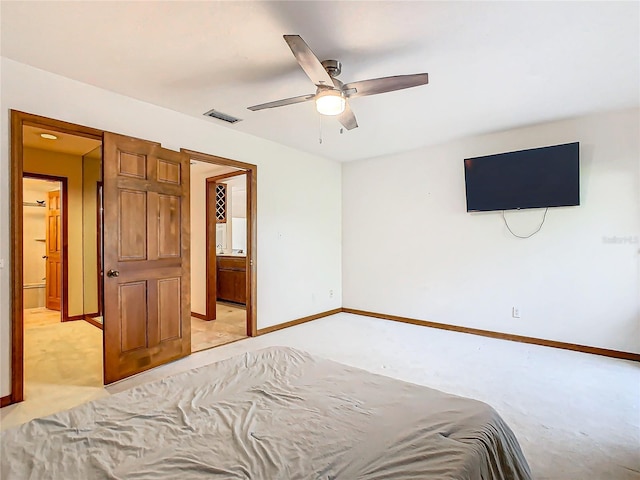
231	279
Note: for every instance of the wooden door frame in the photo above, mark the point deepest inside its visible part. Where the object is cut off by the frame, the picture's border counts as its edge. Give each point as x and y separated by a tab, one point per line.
210	260
19	120
252	203
211	276
99	227
64	195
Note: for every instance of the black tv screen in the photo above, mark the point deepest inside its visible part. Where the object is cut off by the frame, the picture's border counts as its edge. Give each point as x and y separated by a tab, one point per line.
535	178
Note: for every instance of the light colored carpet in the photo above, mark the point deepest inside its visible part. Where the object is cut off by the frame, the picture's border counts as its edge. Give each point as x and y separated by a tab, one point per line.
63	360
577	416
62	366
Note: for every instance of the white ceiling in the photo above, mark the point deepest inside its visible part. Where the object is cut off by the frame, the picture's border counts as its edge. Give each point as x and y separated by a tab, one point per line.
210	169
40	185
492	65
205	169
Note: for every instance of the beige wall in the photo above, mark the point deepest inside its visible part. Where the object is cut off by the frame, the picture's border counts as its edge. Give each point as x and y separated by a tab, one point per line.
239	200
91	176
70	166
198	243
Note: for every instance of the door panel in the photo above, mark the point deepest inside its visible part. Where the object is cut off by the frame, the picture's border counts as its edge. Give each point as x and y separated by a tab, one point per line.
53	281
168	172
132	225
132	165
169	308
146	241
168	221
133	316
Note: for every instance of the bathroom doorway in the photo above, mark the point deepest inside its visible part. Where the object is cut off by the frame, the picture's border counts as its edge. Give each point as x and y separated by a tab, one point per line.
220	300
45	233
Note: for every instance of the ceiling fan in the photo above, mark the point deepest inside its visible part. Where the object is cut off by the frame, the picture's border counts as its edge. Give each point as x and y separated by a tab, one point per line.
332	95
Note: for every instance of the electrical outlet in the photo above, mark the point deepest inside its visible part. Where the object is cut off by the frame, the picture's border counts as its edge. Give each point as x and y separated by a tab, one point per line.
330	293
515	312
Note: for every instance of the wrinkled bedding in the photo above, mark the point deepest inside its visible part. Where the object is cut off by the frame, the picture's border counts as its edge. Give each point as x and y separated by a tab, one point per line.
277	413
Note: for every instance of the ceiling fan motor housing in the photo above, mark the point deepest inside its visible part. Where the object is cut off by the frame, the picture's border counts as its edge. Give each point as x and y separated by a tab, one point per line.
333	67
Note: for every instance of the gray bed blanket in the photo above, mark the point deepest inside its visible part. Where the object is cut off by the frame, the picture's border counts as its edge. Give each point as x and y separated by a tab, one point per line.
277	413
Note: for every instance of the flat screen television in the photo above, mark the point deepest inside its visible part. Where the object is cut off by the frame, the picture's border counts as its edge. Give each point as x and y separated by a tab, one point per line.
535	178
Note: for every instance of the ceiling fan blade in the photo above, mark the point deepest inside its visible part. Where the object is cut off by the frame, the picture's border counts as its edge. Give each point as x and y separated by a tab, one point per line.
283	102
385	84
347	118
308	61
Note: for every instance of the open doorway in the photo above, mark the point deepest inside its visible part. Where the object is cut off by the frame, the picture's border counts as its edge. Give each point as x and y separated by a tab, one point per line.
219	287
62	356
45	233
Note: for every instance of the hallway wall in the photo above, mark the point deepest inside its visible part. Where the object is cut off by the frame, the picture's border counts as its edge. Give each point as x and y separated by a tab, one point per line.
34	232
70	166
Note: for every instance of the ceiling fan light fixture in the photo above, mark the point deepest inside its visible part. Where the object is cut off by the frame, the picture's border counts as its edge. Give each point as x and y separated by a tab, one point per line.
330	102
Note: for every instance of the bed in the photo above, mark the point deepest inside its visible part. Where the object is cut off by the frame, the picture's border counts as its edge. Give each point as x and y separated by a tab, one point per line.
276	413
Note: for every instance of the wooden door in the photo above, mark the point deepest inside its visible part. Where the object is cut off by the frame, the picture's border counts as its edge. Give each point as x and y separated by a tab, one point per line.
146	256
53	255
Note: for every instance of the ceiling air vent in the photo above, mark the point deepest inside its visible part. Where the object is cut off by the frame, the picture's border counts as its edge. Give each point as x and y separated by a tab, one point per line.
221	116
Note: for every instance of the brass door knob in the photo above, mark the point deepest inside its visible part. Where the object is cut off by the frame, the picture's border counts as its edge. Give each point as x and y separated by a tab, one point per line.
113	273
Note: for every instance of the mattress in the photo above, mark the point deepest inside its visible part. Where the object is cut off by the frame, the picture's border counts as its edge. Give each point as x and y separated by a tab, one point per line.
277	413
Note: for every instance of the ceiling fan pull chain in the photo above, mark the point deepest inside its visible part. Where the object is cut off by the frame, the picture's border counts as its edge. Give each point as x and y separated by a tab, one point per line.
320	138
